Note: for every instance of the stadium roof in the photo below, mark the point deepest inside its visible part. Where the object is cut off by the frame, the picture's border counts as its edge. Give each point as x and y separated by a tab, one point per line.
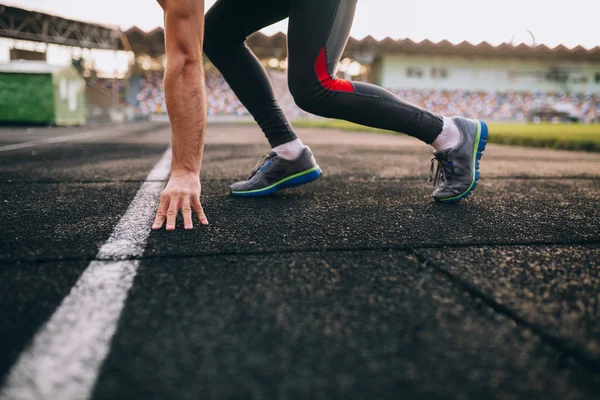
151	43
23	24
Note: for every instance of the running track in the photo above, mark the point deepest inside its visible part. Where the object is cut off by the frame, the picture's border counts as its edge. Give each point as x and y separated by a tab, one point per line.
356	286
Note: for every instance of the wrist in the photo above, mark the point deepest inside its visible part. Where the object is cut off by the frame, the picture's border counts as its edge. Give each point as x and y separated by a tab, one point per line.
183	171
185	164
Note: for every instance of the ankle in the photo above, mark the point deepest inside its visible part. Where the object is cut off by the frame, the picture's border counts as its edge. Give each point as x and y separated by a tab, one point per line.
290	150
448	138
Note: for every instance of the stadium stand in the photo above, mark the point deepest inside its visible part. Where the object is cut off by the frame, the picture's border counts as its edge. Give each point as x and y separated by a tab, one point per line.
222	101
500	106
150	98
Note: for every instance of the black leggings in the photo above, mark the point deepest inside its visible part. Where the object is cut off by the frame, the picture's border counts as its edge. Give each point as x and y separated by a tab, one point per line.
318	32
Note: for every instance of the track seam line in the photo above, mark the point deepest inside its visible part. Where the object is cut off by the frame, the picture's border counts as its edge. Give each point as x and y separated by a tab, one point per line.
559	344
75	136
595	241
64	357
361	180
57	139
354	249
85	182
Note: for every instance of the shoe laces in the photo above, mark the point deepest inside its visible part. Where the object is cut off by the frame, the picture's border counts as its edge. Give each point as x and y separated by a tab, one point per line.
261	162
438	168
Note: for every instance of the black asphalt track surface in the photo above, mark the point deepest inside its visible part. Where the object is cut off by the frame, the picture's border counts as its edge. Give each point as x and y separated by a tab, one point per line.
355	286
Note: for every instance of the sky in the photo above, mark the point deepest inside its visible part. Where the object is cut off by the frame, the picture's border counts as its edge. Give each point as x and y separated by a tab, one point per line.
572	23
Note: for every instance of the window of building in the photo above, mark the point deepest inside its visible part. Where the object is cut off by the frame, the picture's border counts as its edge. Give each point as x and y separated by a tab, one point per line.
558	75
439	73
580	79
597	78
414	72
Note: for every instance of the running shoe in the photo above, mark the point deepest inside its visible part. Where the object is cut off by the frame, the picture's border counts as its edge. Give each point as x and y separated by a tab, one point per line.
273	173
458	168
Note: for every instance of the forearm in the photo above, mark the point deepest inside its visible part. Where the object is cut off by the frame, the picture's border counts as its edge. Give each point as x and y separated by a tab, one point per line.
184	83
186	104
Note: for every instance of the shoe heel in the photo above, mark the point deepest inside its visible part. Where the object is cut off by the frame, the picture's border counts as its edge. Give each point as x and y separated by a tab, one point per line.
483	137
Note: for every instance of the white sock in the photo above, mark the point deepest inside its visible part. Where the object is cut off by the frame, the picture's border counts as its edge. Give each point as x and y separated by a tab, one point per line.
449	137
290	150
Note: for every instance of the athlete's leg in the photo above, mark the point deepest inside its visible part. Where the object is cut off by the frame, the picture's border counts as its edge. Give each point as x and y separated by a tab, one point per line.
228	24
317	35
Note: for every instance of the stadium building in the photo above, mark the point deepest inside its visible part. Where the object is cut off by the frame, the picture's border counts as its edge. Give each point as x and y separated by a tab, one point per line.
503	82
405	64
428	65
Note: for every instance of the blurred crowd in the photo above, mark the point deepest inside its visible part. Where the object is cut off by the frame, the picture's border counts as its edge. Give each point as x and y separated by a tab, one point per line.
221	101
500	106
150	97
504	106
220	98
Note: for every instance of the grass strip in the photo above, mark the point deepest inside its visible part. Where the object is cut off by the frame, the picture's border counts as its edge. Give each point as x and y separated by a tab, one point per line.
581	137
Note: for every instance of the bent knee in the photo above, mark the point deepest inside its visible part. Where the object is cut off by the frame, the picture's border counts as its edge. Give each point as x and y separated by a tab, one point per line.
306	95
312	96
314	90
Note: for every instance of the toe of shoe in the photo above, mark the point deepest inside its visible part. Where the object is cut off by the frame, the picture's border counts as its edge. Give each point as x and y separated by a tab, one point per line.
438	195
238	186
445	195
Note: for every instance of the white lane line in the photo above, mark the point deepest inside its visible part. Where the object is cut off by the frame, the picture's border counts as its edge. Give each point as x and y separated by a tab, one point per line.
57	139
66	354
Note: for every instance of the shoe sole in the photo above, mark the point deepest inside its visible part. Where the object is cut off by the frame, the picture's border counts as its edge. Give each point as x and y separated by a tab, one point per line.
478	148
298	179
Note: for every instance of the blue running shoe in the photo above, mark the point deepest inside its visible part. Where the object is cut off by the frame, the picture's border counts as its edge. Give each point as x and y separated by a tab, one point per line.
273	173
458	168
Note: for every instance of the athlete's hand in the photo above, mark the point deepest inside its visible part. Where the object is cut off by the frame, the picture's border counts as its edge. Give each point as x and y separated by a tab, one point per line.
182	192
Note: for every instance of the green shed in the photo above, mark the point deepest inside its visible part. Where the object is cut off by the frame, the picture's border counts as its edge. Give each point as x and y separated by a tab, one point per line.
38	93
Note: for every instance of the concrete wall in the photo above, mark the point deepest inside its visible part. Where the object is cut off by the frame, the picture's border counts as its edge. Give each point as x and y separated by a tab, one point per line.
486	74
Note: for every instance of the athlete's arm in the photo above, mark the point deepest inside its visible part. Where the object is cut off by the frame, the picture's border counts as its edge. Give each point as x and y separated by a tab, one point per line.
186	104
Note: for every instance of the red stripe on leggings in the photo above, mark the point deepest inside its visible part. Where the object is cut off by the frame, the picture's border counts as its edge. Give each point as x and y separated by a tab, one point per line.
340	85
